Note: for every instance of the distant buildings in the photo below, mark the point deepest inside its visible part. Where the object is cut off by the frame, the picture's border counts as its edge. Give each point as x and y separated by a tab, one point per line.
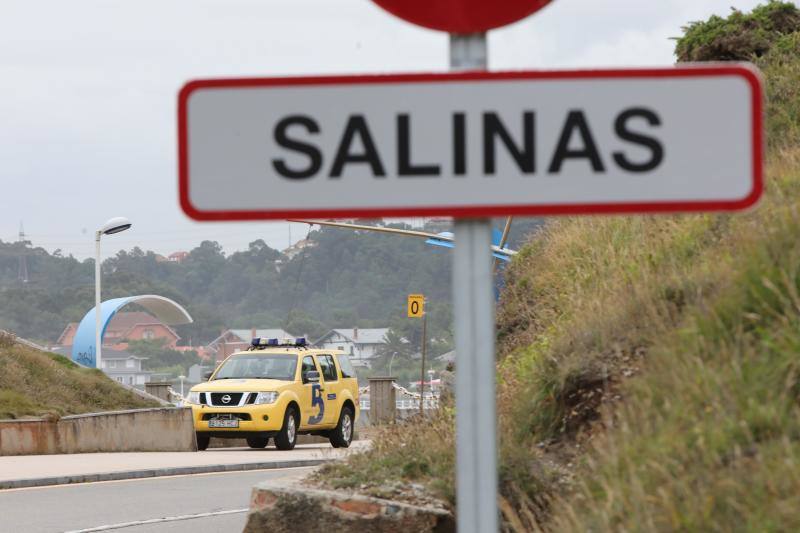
298	247
127	326
125	368
360	344
438	224
233	340
119	364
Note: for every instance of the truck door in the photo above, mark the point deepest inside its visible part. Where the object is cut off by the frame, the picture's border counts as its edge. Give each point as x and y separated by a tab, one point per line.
312	402
332	390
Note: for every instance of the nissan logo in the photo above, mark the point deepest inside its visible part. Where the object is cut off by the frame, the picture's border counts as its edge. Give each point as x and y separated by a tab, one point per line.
226	398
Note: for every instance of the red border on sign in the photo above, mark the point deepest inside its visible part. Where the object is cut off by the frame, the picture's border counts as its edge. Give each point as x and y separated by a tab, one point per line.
749	74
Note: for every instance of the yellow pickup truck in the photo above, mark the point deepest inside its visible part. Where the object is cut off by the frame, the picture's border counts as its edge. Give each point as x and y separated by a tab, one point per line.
278	390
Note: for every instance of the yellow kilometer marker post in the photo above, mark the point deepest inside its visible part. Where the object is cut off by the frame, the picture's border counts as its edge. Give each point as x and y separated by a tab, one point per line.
416	309
416	305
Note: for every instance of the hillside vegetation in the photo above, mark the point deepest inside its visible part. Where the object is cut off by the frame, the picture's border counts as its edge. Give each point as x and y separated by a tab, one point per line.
649	369
346	279
35	383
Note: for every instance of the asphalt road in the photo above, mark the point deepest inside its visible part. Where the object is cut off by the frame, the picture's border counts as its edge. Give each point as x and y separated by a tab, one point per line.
136	506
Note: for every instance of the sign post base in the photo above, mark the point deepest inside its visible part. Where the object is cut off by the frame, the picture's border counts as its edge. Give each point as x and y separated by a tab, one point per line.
476	425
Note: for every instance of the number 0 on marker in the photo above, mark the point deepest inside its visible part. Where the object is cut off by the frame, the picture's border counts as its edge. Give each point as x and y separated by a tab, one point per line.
416	305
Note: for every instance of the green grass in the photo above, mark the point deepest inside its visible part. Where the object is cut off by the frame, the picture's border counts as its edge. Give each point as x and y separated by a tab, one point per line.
649	369
707	438
34	383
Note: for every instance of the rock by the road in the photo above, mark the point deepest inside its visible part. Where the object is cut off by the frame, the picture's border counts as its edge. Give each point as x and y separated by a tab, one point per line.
295	507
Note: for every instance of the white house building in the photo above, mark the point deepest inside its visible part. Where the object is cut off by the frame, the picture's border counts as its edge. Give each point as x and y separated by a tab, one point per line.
360	344
125	368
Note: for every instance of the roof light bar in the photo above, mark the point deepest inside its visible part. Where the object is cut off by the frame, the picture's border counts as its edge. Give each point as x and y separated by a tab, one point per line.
261	341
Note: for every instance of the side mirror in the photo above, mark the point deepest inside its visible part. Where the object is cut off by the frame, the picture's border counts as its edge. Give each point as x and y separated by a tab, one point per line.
207	374
312	376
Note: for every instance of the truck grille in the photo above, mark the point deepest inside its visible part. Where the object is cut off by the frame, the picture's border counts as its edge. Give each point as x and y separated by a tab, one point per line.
218	399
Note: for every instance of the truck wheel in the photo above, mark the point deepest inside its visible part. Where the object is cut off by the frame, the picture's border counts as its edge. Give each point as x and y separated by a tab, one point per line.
287	437
202	441
257	442
342	435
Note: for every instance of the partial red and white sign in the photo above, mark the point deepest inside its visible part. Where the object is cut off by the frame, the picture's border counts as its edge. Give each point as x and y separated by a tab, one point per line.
462	16
472	144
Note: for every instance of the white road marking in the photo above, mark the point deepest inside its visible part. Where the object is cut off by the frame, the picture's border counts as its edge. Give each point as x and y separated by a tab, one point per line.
157	521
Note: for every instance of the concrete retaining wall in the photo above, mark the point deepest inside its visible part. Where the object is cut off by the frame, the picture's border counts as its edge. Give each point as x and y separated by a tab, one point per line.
139	430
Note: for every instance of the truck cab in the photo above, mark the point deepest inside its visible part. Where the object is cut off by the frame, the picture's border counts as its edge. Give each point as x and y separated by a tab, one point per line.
278	390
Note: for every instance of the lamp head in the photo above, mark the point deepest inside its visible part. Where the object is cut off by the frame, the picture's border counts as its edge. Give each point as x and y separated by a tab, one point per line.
115	225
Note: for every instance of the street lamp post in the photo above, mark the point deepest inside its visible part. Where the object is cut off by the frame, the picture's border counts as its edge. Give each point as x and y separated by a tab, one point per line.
112	226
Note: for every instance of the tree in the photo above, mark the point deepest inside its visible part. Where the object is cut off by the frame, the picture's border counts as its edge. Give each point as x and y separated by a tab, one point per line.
343	279
160	356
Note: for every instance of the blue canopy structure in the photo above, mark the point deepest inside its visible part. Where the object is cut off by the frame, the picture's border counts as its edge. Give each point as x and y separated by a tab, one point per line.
164	309
444	239
497	236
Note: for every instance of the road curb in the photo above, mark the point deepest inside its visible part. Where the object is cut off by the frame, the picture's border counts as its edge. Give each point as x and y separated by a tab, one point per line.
156	472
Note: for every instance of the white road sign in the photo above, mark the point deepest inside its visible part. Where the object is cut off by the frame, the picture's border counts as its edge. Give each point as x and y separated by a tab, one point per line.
472	144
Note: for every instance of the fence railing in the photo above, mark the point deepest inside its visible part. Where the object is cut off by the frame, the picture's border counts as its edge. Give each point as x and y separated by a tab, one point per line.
404	404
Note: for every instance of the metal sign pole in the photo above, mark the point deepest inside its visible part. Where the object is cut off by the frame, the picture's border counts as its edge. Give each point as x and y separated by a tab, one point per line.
473	302
423	350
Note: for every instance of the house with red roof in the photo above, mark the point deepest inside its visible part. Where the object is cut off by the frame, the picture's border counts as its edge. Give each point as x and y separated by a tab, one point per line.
125	327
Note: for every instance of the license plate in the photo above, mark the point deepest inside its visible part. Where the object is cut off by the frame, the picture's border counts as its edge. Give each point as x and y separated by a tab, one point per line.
223	423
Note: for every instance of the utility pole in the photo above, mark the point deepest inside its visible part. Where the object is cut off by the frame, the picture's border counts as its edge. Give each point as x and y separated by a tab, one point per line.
422	372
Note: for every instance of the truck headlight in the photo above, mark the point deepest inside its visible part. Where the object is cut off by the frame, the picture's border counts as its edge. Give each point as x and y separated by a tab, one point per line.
266	397
194	397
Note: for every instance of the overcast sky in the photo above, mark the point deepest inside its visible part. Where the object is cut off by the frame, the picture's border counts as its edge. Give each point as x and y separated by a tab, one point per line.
88	92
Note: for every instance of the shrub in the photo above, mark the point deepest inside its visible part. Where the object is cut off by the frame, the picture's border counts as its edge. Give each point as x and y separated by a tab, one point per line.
740	36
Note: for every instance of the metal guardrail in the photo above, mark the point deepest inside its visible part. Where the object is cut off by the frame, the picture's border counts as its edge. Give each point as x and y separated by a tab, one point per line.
405	404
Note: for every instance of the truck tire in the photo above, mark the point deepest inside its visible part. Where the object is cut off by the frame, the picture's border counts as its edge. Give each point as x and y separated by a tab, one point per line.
202	441
342	435
287	437
257	442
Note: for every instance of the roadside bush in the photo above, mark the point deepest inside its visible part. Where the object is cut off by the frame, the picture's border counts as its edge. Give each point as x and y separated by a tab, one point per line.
6	340
740	36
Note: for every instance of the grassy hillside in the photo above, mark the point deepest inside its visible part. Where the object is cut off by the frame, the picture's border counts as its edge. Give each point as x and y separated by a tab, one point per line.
34	383
649	371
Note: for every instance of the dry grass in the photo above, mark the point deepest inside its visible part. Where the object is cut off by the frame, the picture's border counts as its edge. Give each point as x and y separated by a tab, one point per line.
621	317
34	383
708	440
411	451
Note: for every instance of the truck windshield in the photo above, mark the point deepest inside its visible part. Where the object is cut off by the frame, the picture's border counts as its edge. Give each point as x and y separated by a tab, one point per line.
259	366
